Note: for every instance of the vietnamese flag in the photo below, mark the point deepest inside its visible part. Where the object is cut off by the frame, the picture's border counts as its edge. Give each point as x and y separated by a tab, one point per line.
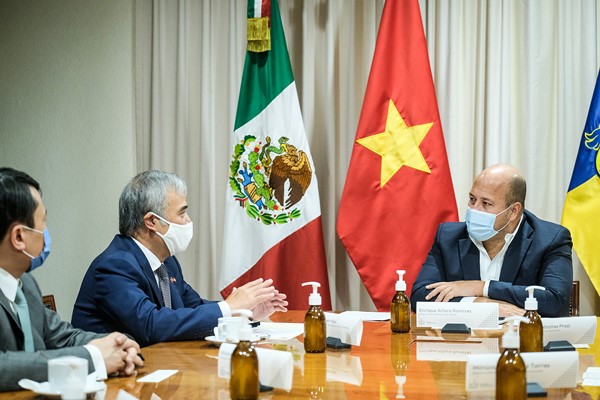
398	188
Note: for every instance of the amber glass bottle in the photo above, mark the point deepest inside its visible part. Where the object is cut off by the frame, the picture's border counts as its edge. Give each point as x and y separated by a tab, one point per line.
400	307
243	383
314	322
532	332
314	330
511	381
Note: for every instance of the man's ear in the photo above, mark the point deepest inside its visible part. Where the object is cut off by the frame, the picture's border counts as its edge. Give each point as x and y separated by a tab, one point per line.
15	235
517	208
151	222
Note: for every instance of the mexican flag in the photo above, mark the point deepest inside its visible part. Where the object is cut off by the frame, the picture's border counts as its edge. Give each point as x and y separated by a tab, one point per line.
272	214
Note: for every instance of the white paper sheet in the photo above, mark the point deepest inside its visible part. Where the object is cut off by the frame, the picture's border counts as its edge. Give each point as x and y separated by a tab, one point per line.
368	315
158	375
279	330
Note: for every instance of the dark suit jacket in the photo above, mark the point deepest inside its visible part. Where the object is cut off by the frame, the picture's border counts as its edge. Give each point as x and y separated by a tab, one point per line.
119	293
540	254
52	338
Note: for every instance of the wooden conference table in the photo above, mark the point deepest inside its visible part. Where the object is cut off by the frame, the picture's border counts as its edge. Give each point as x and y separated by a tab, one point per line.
386	365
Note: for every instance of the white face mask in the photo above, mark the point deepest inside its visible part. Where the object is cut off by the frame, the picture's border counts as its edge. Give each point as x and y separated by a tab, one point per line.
480	224
178	237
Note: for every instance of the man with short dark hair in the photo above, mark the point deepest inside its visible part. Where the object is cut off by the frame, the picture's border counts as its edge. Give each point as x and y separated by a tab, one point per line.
498	251
136	285
30	334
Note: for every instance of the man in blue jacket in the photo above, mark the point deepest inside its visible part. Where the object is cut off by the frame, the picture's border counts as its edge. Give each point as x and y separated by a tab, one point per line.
498	251
137	284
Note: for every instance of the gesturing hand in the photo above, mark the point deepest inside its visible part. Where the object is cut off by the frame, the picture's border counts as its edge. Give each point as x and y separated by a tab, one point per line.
266	308
251	294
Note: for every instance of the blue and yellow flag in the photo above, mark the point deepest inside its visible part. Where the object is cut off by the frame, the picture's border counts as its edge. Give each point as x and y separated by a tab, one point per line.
581	214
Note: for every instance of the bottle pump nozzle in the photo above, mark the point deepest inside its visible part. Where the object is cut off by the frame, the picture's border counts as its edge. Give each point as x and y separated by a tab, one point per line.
510	339
315	298
531	303
400	284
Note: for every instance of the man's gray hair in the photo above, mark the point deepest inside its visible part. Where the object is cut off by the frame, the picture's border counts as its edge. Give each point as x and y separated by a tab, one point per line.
146	192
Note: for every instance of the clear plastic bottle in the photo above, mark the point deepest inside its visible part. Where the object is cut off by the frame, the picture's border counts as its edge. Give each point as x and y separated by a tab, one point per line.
511	381
532	332
314	322
243	383
400	306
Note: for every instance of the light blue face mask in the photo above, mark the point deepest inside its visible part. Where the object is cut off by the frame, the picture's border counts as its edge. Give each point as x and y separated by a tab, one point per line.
37	262
480	225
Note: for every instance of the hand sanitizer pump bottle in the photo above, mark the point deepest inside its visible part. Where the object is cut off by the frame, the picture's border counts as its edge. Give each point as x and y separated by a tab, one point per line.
511	382
532	332
314	322
243	383
400	307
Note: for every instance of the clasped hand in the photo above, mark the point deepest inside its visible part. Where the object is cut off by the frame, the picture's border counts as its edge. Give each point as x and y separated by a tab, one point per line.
121	354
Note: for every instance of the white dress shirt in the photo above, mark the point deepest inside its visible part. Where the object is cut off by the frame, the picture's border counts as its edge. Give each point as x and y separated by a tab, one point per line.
489	269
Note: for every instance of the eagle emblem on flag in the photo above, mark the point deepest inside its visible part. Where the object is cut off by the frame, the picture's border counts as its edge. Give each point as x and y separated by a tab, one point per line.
268	179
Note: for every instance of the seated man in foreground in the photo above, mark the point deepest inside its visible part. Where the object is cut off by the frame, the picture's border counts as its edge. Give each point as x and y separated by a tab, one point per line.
137	284
499	251
31	334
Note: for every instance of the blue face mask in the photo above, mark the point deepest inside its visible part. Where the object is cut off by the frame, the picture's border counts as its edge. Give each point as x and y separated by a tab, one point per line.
37	262
480	225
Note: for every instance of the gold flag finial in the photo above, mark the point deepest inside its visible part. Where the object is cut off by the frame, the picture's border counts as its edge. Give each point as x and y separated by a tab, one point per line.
258	34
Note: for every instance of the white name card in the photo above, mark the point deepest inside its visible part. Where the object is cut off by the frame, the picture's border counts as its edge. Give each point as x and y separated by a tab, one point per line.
474	315
431	348
275	368
577	330
347	328
556	369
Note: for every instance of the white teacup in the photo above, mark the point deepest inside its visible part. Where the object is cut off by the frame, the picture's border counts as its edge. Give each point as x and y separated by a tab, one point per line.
68	374
229	328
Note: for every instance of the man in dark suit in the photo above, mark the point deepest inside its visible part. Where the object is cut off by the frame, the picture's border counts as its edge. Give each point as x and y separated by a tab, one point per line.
499	251
30	334
136	285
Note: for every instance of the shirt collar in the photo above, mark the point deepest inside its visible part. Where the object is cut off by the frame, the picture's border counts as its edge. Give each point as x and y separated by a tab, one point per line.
9	285
150	256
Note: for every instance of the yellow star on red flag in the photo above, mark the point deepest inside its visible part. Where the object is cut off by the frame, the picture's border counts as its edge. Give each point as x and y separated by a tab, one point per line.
398	145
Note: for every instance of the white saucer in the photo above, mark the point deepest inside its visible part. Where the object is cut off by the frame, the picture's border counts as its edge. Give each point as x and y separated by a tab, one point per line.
44	389
213	339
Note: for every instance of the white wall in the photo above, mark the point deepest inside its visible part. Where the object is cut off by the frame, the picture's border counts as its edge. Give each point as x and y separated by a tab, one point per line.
66	118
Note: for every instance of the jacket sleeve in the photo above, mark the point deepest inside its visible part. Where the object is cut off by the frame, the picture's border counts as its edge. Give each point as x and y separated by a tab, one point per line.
122	293
59	339
432	271
16	365
554	272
